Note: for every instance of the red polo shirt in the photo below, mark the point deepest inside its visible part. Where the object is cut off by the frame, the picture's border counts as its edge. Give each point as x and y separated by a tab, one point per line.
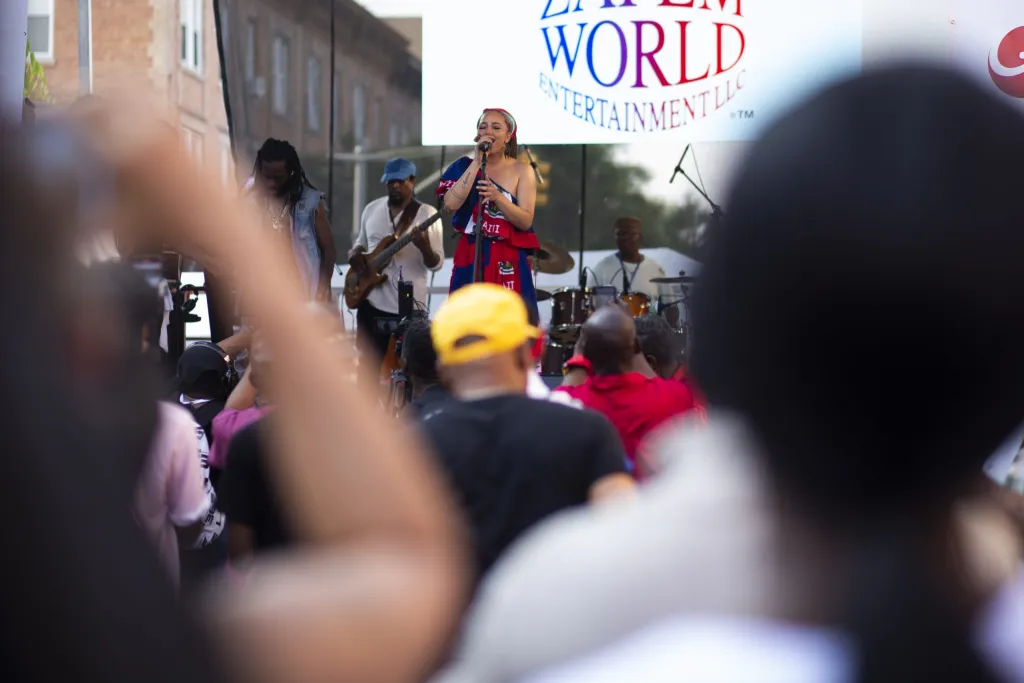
698	399
635	405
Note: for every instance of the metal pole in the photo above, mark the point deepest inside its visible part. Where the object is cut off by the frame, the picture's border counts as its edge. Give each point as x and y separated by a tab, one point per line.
582	210
330	145
478	229
444	150
358	189
13	37
84	48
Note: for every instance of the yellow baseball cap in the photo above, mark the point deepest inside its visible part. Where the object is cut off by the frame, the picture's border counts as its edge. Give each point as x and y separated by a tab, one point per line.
479	321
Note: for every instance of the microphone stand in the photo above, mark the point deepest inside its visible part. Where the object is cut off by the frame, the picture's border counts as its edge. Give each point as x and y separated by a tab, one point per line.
716	211
582	213
478	245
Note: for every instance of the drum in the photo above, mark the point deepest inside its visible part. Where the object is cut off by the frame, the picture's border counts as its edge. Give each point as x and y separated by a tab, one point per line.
673	309
637	303
570	308
554	357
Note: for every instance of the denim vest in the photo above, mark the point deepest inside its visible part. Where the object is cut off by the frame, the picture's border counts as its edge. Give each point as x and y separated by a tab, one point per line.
307	253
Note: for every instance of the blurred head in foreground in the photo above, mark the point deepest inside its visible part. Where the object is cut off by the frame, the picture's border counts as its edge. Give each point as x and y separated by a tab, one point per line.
483	339
861	308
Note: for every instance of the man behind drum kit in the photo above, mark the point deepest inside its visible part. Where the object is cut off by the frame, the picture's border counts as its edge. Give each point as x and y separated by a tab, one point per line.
627	268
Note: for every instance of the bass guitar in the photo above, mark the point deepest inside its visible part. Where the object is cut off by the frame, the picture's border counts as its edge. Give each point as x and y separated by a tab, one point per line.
359	282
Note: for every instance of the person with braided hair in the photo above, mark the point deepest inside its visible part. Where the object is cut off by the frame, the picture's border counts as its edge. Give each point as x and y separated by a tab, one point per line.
295	210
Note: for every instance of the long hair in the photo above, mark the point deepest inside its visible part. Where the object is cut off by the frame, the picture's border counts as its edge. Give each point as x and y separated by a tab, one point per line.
282	150
865	281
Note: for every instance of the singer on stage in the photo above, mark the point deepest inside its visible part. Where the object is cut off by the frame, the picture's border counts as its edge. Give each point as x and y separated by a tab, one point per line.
509	192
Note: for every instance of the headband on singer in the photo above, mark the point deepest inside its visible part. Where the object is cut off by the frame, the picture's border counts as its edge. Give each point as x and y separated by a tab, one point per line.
509	120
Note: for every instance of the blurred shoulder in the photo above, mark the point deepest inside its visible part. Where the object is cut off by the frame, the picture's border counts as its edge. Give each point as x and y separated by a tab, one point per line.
175	417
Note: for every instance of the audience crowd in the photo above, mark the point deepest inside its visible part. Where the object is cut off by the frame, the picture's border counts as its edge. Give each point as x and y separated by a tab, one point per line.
802	500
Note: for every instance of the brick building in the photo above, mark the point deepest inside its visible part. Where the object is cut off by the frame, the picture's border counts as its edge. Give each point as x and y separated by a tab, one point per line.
277	58
277	54
166	49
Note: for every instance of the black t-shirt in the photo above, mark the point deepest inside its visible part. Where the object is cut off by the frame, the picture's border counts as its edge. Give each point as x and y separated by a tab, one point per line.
246	494
513	460
427	402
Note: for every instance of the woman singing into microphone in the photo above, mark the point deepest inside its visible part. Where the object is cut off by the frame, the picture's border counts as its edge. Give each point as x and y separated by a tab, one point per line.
509	192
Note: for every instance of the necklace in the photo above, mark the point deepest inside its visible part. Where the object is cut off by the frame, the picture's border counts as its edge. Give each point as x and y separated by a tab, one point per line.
277	222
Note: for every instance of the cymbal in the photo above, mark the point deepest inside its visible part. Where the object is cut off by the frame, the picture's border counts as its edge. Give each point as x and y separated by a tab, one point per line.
552	259
543	295
679	280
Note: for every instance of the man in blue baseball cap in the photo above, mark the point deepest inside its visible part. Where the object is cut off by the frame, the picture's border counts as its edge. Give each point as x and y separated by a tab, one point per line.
395	214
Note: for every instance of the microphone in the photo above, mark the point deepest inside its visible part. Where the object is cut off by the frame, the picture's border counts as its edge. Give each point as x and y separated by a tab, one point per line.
679	166
625	281
484	146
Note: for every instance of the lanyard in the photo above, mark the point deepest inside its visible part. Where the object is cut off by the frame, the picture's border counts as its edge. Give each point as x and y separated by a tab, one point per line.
622	265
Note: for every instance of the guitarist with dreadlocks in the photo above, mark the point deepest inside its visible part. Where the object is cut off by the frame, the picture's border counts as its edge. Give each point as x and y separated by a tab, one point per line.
296	213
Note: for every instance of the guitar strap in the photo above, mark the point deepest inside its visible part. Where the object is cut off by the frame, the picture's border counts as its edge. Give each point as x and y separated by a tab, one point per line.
407	217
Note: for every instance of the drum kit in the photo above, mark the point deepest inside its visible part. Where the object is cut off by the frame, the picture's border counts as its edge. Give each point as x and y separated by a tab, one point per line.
571	306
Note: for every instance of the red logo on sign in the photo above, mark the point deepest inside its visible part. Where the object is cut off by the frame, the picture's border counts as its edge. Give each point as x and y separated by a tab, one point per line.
1006	63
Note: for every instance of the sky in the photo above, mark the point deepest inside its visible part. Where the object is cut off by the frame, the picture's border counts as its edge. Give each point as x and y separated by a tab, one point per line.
716	161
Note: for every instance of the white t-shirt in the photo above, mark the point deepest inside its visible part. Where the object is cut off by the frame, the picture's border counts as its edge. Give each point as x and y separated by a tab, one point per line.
731	649
609	272
213	524
376	224
171	492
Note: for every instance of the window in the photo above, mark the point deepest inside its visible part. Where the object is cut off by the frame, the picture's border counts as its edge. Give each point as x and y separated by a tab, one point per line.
250	51
393	136
227	162
381	131
282	60
192	34
314	95
336	114
359	113
40	29
193	143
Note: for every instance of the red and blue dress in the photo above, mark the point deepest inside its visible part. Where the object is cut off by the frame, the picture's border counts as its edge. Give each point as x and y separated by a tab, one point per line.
505	249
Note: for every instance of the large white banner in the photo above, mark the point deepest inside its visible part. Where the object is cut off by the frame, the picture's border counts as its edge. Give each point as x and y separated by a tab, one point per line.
629	71
988	45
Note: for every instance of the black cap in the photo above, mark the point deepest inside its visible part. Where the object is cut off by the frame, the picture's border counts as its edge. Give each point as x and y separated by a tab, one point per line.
202	370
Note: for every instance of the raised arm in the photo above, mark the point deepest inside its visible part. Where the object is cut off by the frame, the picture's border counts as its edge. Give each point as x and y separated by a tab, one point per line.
328	253
374	593
454	195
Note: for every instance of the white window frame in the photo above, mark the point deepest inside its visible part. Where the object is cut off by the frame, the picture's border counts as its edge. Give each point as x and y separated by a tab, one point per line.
195	145
227	162
42	8
280	93
193	13
314	93
250	50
